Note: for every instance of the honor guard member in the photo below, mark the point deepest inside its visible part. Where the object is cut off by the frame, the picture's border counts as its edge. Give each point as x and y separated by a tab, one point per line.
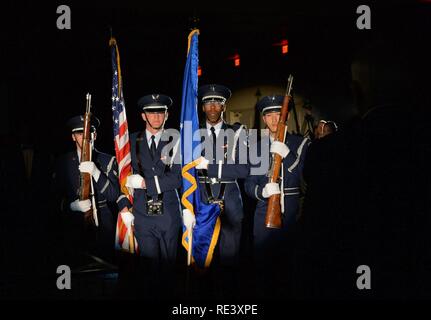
325	128
156	206
103	170
220	169
270	244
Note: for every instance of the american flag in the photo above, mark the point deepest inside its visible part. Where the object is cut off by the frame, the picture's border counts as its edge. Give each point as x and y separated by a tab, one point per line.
124	238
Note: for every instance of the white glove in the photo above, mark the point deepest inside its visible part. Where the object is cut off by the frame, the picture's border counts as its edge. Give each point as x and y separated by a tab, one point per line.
270	189
279	148
135	181
203	164
127	218
90	167
82	206
189	219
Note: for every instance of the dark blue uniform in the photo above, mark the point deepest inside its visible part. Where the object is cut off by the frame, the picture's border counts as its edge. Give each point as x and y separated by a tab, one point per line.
273	249
226	173
157	236
66	185
219	181
267	240
156	207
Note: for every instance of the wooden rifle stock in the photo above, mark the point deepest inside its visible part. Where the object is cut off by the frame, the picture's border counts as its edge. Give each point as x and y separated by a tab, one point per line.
85	178
273	211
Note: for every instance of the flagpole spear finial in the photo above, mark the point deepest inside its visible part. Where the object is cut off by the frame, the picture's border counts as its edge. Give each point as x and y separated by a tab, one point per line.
194	22
111	39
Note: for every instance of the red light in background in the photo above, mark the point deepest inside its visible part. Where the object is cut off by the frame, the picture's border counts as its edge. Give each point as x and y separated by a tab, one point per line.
284	44
199	71
236	60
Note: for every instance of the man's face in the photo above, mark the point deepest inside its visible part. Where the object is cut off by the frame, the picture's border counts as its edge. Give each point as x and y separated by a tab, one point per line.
77	137
213	110
271	120
319	130
156	119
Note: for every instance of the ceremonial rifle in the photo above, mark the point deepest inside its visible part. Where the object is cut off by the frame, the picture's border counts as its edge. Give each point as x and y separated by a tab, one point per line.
86	184
273	212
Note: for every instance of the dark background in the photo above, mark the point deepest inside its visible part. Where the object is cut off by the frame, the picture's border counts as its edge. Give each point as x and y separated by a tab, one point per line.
47	72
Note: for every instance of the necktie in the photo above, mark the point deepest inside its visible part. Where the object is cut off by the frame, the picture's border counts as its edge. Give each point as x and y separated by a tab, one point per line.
153	147
214	138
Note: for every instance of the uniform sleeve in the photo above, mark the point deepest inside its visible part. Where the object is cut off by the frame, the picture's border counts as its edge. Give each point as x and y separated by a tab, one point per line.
302	182
233	170
302	156
298	164
169	180
254	183
108	184
253	186
123	201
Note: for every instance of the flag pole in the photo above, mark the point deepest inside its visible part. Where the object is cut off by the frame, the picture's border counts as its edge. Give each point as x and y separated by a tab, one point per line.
189	252
131	241
132	245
